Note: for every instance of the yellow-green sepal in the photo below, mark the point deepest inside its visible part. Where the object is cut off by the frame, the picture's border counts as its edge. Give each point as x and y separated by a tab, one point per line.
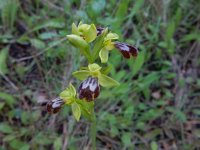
68	95
109	45
94	67
83	27
81	75
103	54
76	110
75	29
106	81
111	36
90	34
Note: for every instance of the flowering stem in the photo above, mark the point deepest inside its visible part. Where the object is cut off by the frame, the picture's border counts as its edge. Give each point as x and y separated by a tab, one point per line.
93	130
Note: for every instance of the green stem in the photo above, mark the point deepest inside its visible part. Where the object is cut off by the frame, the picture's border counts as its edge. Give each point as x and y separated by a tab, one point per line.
93	131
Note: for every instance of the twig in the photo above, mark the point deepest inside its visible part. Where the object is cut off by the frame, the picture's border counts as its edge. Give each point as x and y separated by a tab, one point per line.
65	142
9	81
189	53
53	6
40	53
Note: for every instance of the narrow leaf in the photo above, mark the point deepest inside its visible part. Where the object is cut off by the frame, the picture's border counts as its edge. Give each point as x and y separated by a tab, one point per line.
98	44
5	128
3	58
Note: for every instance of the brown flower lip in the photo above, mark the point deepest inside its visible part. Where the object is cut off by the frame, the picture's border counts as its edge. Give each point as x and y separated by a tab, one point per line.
89	89
126	49
54	105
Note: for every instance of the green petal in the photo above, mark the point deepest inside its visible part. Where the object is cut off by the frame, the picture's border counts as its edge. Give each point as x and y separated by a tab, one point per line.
111	36
80	23
74	29
83	27
109	45
68	94
81	75
103	54
94	67
72	89
106	81
91	33
77	41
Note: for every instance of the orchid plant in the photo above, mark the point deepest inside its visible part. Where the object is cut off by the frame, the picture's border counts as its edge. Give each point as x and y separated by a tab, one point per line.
93	43
91	76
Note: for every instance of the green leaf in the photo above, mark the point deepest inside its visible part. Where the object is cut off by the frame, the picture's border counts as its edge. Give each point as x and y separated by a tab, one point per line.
5	128
178	16
126	139
103	54
48	35
180	115
9	99
138	62
17	144
148	80
3	59
154	146
98	45
9	13
1	105
76	110
45	139
97	6
9	137
57	145
81	75
134	10
170	31
38	43
191	36
122	9
153	134
106	81
53	23
25	147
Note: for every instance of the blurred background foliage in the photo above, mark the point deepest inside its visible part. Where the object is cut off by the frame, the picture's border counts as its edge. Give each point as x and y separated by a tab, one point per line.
157	105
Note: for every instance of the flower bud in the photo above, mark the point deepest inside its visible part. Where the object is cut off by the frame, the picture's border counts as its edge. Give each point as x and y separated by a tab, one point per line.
77	41
126	50
89	89
55	105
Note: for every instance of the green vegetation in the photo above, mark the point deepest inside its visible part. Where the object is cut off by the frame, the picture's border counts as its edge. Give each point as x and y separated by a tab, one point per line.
157	103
